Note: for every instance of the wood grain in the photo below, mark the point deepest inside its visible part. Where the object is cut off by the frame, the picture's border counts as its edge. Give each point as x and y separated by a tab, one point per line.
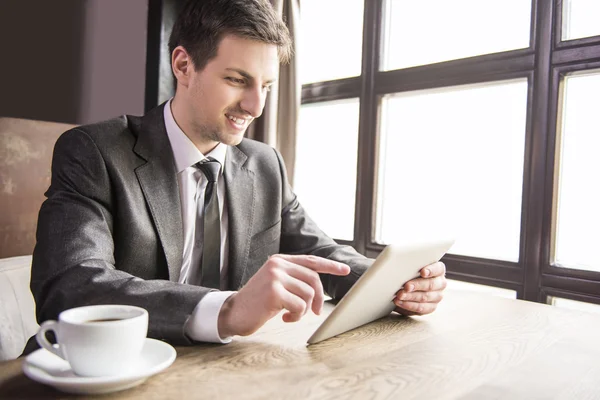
473	347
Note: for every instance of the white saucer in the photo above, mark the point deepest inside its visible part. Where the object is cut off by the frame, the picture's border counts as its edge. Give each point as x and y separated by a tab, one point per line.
44	367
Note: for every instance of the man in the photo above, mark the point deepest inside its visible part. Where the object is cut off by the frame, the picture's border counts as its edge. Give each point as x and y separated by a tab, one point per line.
164	210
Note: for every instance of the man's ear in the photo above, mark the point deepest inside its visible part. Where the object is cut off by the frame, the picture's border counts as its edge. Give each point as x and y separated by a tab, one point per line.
182	65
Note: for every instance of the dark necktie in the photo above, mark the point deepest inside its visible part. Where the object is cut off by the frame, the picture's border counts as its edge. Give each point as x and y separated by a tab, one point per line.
211	252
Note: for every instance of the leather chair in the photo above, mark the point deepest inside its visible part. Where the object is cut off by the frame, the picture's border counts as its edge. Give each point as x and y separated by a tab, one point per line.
25	156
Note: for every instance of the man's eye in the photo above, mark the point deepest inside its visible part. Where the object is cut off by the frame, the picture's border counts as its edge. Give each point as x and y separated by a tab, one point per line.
236	80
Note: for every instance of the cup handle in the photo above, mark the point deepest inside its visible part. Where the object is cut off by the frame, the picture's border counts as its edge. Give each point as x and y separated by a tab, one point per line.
42	341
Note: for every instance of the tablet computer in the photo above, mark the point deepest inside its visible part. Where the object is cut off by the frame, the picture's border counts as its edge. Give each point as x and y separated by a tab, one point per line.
371	297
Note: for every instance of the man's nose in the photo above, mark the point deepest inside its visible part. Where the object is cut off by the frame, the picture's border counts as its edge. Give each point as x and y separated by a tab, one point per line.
253	101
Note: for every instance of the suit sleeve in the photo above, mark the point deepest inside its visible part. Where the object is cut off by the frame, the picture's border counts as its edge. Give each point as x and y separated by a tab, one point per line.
73	261
301	235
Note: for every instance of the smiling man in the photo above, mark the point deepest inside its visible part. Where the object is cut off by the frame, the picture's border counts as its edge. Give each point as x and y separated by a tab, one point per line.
176	212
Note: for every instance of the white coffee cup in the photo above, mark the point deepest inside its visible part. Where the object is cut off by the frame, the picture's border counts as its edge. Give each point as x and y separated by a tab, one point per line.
102	340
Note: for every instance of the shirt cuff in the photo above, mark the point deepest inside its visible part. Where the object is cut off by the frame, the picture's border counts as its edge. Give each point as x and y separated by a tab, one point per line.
203	323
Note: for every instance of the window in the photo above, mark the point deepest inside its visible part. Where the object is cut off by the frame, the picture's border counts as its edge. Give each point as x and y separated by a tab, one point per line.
578	170
425	32
330	48
580	19
325	173
470	117
477	165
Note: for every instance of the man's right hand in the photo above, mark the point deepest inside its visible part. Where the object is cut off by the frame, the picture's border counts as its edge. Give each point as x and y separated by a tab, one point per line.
289	282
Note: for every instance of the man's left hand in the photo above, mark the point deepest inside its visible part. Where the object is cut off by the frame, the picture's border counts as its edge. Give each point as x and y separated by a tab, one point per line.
421	295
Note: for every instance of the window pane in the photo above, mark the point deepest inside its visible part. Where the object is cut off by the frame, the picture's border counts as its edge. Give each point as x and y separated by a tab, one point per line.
578	198
485	289
580	19
330	44
451	164
426	32
325	172
573	304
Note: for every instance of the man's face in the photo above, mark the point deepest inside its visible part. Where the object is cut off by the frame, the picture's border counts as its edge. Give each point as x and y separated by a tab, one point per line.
230	91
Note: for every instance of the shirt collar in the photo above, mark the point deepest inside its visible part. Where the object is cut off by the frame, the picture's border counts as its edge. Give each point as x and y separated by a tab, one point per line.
185	152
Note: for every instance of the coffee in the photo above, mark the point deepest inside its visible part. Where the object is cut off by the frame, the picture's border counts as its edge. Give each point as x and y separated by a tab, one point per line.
105	320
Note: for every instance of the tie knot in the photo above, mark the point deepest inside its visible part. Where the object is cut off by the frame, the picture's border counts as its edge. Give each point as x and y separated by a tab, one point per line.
210	168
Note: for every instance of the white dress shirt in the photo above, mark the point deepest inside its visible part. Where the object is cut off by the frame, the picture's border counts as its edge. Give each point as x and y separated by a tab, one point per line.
202	325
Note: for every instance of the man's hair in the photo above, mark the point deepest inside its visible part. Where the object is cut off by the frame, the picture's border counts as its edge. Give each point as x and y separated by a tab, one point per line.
202	24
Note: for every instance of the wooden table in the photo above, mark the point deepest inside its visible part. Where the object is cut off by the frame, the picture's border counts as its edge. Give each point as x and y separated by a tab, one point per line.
473	347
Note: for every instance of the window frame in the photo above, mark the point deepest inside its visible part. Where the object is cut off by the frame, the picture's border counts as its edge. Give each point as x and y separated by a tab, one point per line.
556	278
532	277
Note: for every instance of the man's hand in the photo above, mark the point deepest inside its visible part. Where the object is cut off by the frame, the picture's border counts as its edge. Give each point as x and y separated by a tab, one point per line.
421	296
289	282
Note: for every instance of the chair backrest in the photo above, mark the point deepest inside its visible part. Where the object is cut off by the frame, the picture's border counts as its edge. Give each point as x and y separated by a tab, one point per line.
26	148
25	156
17	308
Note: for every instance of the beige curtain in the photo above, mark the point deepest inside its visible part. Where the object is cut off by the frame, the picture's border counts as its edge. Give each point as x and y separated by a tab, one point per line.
279	123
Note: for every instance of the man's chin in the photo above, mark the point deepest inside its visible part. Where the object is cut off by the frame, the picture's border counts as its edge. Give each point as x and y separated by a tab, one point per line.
232	139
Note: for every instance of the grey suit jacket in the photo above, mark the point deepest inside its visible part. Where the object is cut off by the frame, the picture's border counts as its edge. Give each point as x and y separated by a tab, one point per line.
110	230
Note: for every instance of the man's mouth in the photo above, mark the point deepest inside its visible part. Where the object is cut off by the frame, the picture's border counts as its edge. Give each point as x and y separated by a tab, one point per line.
237	122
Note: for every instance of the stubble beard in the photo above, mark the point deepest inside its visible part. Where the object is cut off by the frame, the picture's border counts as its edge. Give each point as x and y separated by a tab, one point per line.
215	134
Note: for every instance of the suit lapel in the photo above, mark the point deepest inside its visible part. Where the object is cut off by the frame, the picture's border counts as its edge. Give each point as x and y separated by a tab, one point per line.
158	180
239	183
